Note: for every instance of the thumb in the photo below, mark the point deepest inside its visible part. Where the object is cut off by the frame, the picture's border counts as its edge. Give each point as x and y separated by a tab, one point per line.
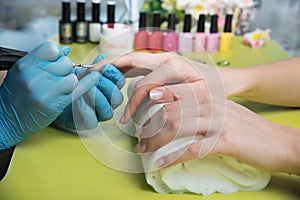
49	51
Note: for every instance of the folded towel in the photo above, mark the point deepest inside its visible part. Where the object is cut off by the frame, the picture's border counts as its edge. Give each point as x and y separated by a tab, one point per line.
201	176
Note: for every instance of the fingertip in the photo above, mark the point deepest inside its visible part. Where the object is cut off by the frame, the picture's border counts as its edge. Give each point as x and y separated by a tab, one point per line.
107	114
48	51
160	163
117	99
65	51
125	117
95	76
62	67
99	58
121	82
112	73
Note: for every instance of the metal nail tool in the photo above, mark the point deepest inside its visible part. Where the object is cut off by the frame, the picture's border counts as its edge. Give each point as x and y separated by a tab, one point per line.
8	57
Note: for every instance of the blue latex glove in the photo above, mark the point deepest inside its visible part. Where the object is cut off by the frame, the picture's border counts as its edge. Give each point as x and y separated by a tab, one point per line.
97	104
36	90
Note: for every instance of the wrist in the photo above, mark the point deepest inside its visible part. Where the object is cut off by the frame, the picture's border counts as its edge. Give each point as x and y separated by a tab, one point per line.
293	166
8	137
237	81
4	140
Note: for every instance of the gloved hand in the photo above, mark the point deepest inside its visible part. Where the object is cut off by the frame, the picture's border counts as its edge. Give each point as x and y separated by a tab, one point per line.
97	104
36	90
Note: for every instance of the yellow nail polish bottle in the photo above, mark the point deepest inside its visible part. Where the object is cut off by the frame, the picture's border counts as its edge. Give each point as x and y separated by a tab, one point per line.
227	36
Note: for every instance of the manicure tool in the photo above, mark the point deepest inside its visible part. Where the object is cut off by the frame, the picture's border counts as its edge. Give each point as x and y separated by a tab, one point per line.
8	57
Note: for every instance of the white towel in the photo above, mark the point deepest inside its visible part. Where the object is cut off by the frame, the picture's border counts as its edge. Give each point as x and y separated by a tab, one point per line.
201	176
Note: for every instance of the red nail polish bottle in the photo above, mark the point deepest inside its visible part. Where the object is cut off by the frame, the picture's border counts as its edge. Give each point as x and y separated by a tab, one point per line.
141	37
155	36
111	14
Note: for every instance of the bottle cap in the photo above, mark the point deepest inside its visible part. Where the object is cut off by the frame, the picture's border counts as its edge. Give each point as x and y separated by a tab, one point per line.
143	20
214	24
228	23
201	23
156	19
95	11
171	21
80	10
187	23
111	12
66	11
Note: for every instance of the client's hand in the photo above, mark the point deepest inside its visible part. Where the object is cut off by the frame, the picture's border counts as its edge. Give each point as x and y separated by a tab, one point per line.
227	129
159	69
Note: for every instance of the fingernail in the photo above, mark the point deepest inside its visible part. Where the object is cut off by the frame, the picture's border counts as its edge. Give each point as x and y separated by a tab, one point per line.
138	133
156	95
140	148
123	119
160	162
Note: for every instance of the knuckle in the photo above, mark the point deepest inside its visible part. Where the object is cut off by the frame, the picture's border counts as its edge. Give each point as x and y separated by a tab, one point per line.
174	125
193	149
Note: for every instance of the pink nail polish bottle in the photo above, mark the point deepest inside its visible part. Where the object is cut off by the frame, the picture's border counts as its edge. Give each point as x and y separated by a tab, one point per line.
185	41
155	36
170	39
200	36
141	37
213	39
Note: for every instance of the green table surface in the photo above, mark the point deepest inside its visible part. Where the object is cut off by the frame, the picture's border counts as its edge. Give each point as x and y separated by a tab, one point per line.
56	165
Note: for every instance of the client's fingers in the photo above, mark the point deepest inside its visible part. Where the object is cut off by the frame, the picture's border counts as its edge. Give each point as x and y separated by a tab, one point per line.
190	152
126	62
182	155
188	127
161	76
167	116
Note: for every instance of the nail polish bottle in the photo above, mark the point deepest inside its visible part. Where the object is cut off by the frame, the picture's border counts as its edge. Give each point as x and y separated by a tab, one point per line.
141	37
200	36
111	6
227	36
155	36
185	41
65	24
170	39
95	25
212	41
81	25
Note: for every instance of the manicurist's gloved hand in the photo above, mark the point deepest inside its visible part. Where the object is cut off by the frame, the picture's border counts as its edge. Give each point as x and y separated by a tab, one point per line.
36	90
95	105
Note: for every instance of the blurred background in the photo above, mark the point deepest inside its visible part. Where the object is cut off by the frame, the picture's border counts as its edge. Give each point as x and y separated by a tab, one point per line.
26	23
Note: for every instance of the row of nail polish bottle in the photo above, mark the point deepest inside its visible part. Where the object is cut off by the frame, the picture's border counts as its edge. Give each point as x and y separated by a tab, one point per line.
184	41
81	30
